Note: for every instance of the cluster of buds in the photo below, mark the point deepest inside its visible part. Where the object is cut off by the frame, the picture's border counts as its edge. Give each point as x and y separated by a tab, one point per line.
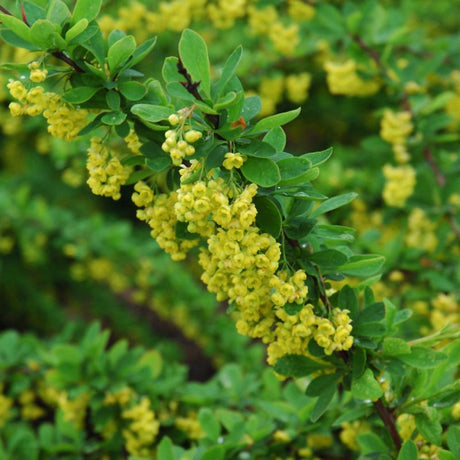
178	141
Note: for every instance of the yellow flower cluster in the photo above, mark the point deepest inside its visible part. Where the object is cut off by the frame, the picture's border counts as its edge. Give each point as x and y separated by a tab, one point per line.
37	75
64	121
142	430
74	409
399	185
233	160
350	431
285	38
178	141
297	86
261	19
159	213
395	128
190	425
421	231
406	426
133	143
224	13
270	92
106	175
300	10
29	410
293	332
342	78
446	311
240	263
5	406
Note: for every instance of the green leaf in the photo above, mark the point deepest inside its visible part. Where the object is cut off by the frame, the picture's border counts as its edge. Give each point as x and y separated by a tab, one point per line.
225	101
86	9
372	313
44	34
335	233
229	69
175	89
120	52
276	137
80	94
261	171
159	164
113	99
58	12
318	158
393	346
318	385
408	451
209	423
268	217
348	300
423	358
334	203
359	360
165	449
446	455
214	453
76	29
453	440
363	265
371	445
428	425
194	56
257	149
373	329
293	170
275	121
251	107
366	387
152	113
16	26
328	258
142	51
14	40
297	366
113	118
323	402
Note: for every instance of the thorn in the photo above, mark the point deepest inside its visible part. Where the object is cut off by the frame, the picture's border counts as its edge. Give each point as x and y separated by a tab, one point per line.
23	12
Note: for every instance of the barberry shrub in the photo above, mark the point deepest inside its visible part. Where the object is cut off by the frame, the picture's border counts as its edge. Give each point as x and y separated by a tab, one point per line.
213	181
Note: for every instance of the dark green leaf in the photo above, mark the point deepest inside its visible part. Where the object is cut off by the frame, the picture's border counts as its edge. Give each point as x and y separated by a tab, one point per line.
113	118
320	384
328	258
229	69
120	52
408	451
293	170
132	90
297	366
261	171
80	94
423	358
363	265
334	203
453	440
318	158
276	137
194	56
275	120
268	217
257	149
152	113
323	402
372	313
428	425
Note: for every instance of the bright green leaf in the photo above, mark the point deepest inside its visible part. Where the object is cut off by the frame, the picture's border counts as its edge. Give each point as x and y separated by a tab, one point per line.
261	171
366	387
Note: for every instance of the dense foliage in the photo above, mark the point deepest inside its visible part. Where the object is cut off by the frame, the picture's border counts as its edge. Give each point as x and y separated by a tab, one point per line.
341	267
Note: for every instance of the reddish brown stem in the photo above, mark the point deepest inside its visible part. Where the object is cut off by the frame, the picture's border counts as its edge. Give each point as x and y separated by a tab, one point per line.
370	52
192	87
389	421
438	175
57	54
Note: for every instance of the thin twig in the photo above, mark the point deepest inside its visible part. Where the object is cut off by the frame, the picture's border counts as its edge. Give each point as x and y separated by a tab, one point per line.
389	421
192	87
57	54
